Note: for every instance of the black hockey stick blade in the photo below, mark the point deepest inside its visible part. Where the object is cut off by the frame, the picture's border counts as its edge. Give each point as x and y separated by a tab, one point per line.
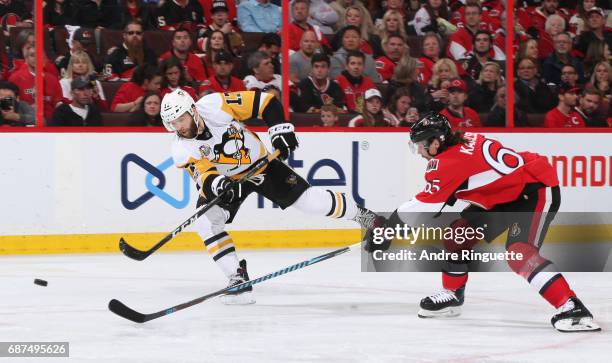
123	310
126	312
132	252
139	255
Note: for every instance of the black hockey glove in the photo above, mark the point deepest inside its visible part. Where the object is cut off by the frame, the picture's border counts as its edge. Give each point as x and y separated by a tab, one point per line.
228	190
283	139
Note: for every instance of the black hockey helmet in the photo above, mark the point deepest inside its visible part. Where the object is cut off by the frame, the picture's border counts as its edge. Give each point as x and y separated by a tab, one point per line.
431	125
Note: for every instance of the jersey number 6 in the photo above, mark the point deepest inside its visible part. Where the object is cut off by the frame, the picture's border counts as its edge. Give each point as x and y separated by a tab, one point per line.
505	161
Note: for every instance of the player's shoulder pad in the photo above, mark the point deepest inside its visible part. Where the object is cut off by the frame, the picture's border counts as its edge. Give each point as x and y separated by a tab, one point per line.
210	108
182	153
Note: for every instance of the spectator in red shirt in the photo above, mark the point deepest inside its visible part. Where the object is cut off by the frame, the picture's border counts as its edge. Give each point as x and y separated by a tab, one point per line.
130	94
459	115
353	83
564	115
534	20
555	25
173	77
24	78
431	50
301	11
222	81
395	48
15	13
181	49
461	42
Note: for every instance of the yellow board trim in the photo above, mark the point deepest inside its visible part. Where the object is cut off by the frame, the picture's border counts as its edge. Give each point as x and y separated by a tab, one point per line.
190	241
187	241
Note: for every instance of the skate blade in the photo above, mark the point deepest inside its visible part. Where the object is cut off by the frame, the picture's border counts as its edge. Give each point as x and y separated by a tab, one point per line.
573	326
246	298
449	312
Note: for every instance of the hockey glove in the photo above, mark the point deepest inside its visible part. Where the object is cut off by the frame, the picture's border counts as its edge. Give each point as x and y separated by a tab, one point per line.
283	139
228	190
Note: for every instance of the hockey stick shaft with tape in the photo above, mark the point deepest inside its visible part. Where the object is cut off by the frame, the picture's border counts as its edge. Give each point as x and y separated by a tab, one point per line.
126	312
140	255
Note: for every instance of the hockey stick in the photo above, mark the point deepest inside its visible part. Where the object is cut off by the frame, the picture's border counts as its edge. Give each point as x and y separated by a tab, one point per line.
124	311
139	255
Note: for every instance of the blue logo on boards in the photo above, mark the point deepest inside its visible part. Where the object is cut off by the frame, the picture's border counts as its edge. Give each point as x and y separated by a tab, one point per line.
153	171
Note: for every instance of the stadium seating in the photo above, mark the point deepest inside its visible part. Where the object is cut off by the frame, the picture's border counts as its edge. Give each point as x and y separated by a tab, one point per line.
110	89
115	118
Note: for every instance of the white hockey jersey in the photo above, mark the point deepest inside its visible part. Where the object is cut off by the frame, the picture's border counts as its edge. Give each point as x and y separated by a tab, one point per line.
226	146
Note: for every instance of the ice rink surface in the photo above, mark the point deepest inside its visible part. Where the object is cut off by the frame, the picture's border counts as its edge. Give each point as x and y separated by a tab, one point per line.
327	312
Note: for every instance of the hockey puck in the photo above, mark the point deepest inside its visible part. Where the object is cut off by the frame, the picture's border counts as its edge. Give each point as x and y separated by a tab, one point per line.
40	282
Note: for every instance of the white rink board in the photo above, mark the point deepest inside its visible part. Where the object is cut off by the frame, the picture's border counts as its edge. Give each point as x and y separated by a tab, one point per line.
70	183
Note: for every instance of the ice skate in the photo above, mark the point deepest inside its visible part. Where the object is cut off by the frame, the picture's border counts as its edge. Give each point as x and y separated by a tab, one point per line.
366	218
573	316
444	304
243	296
369	220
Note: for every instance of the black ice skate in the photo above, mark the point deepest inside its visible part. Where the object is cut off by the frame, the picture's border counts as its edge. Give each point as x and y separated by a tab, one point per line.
573	316
444	304
365	217
243	296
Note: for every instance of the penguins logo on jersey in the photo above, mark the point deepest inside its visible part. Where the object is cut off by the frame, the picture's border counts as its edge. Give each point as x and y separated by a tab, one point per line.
231	150
205	150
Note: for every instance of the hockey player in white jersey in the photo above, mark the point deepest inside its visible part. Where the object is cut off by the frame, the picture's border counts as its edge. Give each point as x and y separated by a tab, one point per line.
215	148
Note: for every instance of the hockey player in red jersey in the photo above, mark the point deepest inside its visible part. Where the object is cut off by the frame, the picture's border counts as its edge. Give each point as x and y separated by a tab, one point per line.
521	186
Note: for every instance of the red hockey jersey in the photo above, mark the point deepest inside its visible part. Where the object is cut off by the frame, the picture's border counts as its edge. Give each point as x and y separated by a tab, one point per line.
469	119
556	118
385	67
354	94
482	172
193	65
